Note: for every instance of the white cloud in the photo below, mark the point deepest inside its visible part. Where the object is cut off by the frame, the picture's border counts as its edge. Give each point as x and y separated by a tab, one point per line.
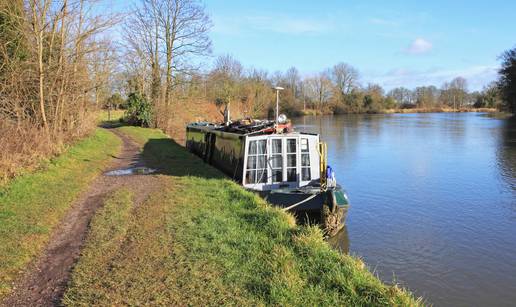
382	22
419	46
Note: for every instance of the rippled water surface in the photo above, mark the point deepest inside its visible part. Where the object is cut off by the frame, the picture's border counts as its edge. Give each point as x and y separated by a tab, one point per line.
433	201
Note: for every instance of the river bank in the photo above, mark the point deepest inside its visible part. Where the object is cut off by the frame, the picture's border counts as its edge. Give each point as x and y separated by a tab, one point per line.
195	237
224	245
406	111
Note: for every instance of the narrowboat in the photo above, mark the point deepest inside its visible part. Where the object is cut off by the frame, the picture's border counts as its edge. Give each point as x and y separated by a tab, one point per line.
285	167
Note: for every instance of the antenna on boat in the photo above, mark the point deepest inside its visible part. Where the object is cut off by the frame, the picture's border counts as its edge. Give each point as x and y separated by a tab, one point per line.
278	89
227	115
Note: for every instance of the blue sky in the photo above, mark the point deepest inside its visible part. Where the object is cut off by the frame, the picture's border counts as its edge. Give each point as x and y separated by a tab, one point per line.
393	43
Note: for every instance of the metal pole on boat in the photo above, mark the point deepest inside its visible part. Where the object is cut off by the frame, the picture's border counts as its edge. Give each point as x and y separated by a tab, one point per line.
277	88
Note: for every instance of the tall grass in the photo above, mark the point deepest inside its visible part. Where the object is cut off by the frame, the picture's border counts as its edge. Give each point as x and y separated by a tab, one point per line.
24	146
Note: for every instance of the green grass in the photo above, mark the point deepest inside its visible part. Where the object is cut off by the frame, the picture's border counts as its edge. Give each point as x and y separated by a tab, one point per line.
33	204
108	230
201	239
116	115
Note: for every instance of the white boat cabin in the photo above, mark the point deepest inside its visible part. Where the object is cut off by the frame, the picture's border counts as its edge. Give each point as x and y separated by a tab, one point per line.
276	161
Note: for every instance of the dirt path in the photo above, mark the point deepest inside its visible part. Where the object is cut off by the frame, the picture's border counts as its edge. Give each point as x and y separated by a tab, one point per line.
46	278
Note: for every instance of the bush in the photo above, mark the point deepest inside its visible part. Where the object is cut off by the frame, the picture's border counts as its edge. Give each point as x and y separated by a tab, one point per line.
408	106
341	108
371	106
289	109
389	103
138	111
292	109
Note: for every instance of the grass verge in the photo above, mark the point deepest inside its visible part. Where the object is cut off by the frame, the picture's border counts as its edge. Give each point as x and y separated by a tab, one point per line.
33	204
108	229
114	116
201	239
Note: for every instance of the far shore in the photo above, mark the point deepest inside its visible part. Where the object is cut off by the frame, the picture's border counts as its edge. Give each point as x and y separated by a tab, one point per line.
411	110
442	110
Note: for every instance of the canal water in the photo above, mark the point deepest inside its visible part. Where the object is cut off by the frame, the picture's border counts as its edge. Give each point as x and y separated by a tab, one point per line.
433	201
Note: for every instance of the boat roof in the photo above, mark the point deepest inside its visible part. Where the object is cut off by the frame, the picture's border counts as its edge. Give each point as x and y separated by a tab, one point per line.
249	127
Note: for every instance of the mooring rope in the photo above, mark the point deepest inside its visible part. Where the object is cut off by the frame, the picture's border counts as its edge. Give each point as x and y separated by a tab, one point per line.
301	202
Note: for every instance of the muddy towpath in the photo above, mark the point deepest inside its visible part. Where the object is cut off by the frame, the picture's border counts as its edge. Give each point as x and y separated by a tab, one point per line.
45	280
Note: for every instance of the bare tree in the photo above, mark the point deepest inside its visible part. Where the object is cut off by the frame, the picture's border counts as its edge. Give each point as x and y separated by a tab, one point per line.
320	89
142	35
39	12
225	79
102	65
345	77
459	87
186	27
293	80
255	92
402	95
51	85
169	33
166	36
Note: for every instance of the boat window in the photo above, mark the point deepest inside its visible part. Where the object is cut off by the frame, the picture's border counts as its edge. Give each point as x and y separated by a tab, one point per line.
257	162
276	146
291	160
276	160
291	145
304	145
261	147
305	161
252	148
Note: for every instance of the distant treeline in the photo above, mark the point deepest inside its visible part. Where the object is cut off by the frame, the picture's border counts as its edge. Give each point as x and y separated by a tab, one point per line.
336	90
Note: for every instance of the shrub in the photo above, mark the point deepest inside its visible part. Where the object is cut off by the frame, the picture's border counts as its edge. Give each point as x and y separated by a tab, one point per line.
389	103
138	111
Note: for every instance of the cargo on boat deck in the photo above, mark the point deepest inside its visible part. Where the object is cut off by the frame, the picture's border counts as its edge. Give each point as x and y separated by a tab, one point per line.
287	168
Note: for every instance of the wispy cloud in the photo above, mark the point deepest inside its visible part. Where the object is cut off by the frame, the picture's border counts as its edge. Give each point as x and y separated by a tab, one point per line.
383	22
419	46
283	24
477	76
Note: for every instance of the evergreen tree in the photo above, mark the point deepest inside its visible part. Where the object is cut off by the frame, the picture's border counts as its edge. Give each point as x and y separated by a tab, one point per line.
507	81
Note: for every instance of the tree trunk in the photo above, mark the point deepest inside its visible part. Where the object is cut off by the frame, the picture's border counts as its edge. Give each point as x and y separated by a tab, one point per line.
39	19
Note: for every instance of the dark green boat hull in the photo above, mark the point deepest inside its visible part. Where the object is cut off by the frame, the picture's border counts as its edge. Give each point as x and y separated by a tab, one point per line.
328	208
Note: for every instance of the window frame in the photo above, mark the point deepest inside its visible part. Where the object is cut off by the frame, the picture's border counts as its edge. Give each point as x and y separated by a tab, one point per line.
301	154
296	155
269	184
271	156
256	169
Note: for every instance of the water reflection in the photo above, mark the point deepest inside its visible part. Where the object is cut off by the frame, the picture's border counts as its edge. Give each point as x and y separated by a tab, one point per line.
433	201
340	241
131	171
507	157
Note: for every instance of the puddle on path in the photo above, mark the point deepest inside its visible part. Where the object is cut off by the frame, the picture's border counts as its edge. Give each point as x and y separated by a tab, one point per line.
131	171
